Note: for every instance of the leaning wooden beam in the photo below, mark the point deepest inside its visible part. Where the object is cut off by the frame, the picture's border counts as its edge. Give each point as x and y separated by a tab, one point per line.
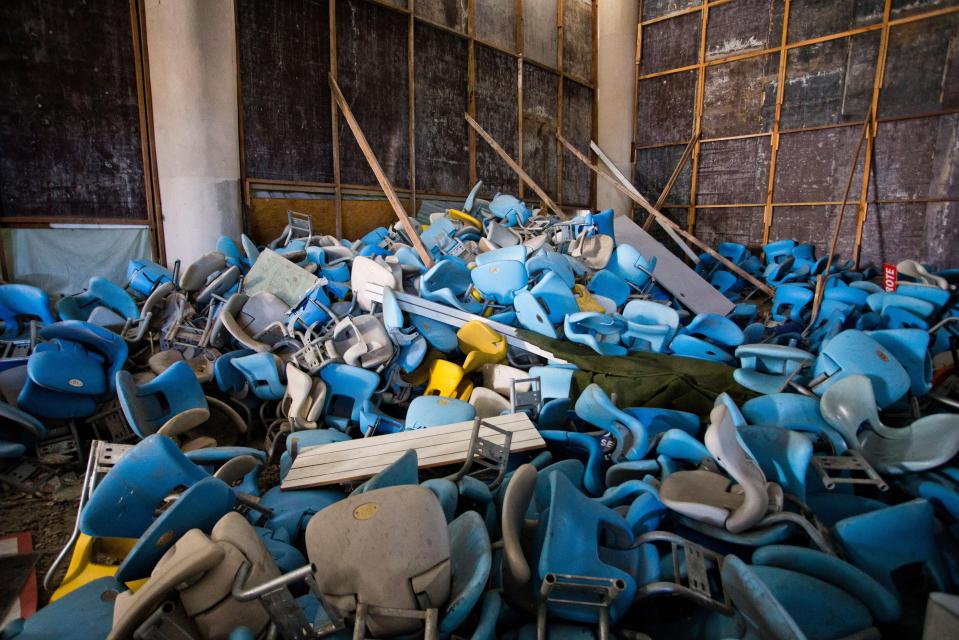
515	167
683	159
380	175
641	201
631	192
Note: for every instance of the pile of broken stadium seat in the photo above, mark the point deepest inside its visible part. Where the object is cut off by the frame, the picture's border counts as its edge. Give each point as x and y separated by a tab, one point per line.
824	507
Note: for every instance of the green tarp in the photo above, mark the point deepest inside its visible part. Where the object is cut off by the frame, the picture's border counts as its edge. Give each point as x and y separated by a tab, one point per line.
648	379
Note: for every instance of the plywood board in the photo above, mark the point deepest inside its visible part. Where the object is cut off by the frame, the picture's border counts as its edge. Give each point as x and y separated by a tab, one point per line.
829	82
733	171
354	460
539	31
916	64
813	166
284	59
267	216
743	25
449	13
275	274
69	120
740	97
441	83
496	111
689	288
371	45
578	38
540	108
577	125
495	22
671	44
653	169
664	114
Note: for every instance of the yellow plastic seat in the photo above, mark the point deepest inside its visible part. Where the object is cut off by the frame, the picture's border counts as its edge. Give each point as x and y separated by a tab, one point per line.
481	344
93	558
448	379
465	218
585	300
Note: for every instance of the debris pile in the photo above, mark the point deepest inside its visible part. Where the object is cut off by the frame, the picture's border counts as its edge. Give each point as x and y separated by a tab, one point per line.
455	456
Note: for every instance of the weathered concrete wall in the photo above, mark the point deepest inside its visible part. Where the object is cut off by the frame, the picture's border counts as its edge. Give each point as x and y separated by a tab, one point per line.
192	51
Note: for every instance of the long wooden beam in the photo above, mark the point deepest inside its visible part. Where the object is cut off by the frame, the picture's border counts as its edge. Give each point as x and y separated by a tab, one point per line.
515	167
687	153
380	174
638	198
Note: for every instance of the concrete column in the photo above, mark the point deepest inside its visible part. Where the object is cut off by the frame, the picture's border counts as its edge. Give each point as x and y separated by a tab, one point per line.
192	52
617	22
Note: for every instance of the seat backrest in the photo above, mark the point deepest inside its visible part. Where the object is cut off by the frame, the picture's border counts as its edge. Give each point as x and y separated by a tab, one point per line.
754	601
112	347
353	543
598	409
149	406
199	271
124	503
724	442
431	411
348	388
20	300
114	297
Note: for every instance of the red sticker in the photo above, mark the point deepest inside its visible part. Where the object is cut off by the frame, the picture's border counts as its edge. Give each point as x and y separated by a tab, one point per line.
889	277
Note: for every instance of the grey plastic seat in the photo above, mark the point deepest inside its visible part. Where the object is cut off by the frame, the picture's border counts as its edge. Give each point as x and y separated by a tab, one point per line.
849	406
711	497
256	321
200	570
196	275
361	341
383	548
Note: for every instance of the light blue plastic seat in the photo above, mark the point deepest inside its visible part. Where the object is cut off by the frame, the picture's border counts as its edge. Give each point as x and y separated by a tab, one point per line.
546	304
100	293
783	455
499	281
581	443
727	284
853	352
629	264
733	251
791	302
148	407
555	387
882	541
517	253
471	559
229	379
708	337
661	420
348	387
779	251
910	347
19	304
795	412
430	411
598	331
546	262
510	209
263	373
440	336
650	325
448	282
607	284
596	408
765	368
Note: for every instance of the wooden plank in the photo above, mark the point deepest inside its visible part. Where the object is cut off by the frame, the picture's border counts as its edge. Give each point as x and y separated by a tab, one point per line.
515	167
683	159
353	460
380	176
671	272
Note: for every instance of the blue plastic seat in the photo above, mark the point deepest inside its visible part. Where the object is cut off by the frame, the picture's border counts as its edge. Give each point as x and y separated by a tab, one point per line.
596	408
68	375
430	411
783	455
598	331
471	559
19	304
448	282
18	430
440	336
125	502
500	280
571	545
263	373
778	251
348	387
143	276
609	285
292	510
579	443
853	352
515	253
229	379
650	325
910	347
659	421
627	263
546	262
546	304
510	209
765	368
84	613
100	293
708	337
149	407
791	302
727	284
792	411
312	309
882	541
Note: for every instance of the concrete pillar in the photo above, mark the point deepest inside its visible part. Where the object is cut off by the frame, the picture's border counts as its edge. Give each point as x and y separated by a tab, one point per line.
616	67
192	52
